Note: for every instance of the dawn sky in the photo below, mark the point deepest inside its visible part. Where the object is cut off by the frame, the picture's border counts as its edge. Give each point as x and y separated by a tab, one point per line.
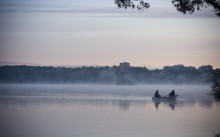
85	32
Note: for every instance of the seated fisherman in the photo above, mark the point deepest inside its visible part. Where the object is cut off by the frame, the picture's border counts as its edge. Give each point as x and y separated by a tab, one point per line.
157	95
172	93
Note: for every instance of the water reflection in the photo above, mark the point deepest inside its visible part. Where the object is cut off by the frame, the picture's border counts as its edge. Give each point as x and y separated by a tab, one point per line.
170	103
27	111
104	96
122	102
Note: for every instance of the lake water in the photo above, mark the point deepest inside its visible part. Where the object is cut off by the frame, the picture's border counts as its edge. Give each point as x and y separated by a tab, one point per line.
41	110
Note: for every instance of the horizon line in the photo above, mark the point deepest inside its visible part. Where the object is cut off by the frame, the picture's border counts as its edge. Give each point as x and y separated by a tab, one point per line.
95	65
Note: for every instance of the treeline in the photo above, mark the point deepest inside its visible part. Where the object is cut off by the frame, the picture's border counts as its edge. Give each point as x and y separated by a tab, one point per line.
216	83
105	75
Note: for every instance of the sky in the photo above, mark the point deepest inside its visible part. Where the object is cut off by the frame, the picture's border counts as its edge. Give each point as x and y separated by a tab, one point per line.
85	32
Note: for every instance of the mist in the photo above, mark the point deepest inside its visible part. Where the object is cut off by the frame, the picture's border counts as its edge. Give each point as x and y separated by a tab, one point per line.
123	96
76	109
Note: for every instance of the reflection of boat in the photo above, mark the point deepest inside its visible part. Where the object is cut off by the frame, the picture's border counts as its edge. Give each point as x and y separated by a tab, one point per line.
166	98
171	101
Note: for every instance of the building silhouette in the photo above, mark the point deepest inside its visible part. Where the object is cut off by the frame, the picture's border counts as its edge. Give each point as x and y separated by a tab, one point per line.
124	67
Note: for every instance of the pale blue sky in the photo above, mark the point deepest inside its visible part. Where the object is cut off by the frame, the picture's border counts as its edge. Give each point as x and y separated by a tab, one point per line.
85	32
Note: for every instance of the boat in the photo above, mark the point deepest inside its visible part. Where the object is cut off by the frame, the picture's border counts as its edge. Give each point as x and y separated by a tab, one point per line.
166	98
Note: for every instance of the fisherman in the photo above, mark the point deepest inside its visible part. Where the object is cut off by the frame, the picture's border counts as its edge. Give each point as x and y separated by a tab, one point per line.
157	95
172	93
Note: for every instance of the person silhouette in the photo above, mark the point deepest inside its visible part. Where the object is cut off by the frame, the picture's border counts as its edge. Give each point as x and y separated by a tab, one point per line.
172	93
157	95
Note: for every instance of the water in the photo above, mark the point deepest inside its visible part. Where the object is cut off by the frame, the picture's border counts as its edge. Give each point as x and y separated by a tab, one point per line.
41	110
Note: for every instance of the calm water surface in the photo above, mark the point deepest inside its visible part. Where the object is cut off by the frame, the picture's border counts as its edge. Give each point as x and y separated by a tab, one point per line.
41	110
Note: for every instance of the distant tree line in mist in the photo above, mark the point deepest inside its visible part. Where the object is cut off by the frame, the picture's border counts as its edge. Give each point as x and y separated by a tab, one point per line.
104	75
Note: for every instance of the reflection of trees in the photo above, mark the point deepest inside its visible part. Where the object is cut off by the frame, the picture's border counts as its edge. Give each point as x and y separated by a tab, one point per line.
139	4
183	6
189	6
124	104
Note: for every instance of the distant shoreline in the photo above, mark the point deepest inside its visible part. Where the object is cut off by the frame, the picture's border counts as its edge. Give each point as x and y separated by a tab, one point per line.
123	75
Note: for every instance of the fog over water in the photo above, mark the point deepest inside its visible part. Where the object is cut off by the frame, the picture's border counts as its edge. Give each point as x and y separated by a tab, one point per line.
53	110
95	33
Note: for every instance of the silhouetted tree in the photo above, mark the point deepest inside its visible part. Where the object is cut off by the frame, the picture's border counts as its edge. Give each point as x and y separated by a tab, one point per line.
37	74
183	6
189	6
141	5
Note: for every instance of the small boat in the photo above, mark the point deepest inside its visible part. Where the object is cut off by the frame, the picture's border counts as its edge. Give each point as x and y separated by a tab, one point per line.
166	98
